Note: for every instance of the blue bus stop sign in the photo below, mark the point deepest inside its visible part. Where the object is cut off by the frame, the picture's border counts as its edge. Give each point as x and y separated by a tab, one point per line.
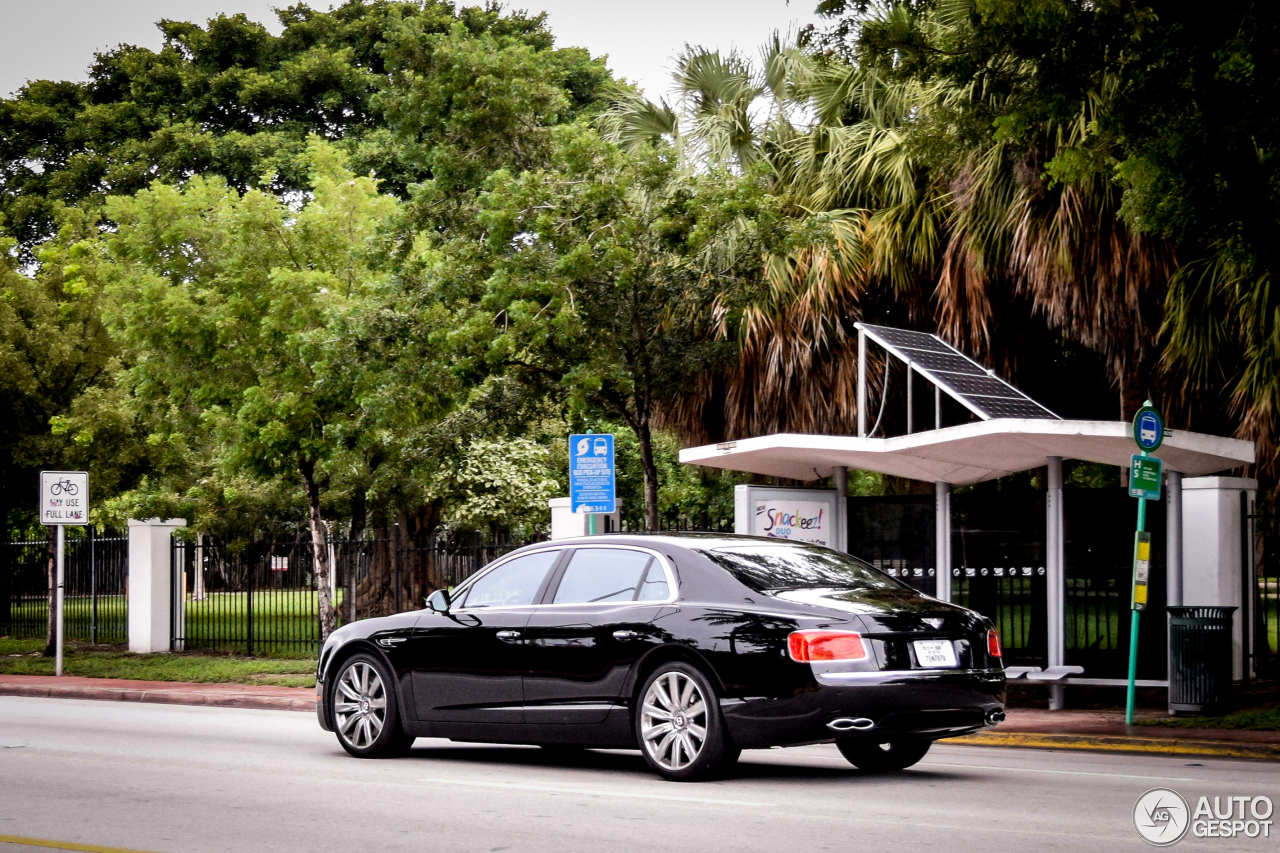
1148	428
592	481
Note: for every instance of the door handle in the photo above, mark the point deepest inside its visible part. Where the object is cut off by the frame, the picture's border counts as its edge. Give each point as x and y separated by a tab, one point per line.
509	636
624	636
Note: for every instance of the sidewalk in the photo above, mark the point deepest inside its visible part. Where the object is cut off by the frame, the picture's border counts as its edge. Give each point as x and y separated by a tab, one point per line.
164	692
1106	731
1025	727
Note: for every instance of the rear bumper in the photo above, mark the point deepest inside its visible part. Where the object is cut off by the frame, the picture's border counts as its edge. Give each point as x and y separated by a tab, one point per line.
913	703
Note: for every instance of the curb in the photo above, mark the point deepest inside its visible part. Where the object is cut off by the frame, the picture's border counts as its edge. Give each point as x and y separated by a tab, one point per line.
162	696
1121	743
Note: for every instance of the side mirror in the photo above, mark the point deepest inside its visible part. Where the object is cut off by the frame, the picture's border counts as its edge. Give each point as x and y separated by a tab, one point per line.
439	601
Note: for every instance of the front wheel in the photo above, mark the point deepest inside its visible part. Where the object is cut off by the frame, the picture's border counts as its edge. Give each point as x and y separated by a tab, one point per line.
892	755
678	724
365	715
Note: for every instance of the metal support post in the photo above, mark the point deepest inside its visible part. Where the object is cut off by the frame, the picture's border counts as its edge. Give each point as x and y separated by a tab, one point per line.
942	539
1134	617
911	400
862	384
93	591
1055	576
396	565
61	581
840	476
937	407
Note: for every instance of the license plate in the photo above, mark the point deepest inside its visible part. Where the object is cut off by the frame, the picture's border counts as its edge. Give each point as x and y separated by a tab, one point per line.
936	654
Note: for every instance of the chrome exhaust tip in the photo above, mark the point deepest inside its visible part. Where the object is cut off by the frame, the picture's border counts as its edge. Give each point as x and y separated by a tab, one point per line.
996	716
851	724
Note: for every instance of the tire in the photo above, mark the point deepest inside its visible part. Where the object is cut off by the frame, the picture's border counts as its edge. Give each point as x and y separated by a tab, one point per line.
883	757
679	727
366	717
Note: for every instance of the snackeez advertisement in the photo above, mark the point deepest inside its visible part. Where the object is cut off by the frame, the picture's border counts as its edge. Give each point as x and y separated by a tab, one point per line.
798	521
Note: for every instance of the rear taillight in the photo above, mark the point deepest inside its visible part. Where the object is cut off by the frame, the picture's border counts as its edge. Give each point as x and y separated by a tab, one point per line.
807	646
993	643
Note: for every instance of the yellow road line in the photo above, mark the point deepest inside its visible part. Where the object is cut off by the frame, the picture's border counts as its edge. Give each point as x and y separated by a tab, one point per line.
64	845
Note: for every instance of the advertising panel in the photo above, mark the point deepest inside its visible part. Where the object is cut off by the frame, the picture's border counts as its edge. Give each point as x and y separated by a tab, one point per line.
799	515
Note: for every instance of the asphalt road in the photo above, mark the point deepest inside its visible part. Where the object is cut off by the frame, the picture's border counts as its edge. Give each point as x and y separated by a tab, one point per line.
185	779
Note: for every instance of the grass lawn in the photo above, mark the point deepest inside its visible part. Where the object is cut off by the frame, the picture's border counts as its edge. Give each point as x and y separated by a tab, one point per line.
23	657
113	621
1250	719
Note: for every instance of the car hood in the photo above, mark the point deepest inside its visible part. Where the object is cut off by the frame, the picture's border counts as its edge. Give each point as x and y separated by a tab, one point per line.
889	610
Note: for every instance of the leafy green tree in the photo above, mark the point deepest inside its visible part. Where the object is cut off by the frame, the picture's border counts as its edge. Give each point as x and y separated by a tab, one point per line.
228	305
1145	123
414	91
601	278
58	365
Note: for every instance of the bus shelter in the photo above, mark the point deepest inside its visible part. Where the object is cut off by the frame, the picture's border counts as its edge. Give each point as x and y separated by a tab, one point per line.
1009	433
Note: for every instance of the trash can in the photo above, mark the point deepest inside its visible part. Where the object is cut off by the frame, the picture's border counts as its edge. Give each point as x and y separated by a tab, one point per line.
1200	658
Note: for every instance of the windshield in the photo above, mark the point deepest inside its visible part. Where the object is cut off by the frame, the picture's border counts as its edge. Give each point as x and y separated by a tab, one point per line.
768	568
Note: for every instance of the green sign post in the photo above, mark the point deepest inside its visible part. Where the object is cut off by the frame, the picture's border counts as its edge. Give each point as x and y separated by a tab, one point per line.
1144	484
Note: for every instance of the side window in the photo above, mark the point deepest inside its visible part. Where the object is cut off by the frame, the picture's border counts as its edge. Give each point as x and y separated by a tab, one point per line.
655	586
512	584
603	574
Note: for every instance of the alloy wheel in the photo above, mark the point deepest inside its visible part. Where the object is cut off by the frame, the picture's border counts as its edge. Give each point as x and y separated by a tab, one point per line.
360	705
673	721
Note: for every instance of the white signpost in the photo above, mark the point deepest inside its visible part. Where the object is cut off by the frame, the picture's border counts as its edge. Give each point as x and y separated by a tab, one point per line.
64	502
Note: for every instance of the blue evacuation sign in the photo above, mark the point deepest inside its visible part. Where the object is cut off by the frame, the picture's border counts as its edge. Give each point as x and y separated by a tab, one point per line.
592	480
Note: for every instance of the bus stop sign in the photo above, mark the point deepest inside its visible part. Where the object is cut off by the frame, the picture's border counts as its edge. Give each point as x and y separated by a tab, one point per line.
1148	429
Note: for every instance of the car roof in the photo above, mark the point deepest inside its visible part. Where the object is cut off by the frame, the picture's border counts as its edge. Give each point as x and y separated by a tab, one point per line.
678	539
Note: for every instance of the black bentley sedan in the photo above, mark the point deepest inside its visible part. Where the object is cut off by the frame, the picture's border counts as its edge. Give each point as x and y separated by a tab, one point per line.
689	647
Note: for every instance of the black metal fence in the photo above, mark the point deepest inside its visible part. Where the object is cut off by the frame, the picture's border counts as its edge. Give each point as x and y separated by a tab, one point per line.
1266	601
95	591
1098	548
262	597
999	569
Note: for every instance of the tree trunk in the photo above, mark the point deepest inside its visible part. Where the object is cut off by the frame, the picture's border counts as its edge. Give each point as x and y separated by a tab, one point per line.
51	632
1131	396
416	574
320	546
645	438
421	575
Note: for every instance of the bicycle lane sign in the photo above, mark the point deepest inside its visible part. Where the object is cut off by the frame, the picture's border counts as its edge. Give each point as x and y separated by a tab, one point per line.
64	498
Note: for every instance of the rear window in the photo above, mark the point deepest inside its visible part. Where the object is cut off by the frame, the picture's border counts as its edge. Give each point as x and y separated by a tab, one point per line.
768	568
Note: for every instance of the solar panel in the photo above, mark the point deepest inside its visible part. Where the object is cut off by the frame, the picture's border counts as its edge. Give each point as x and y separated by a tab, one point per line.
963	379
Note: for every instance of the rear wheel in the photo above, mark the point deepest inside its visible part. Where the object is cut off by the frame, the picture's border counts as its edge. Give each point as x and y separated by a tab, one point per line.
678	725
365	715
891	755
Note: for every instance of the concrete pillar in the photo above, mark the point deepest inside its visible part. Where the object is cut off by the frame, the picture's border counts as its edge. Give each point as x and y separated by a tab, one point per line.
152	596
1173	555
1173	538
942	539
1055	576
840	476
566	524
1215	551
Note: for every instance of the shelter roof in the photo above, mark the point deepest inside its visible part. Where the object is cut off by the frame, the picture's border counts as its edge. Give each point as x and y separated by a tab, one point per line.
968	453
